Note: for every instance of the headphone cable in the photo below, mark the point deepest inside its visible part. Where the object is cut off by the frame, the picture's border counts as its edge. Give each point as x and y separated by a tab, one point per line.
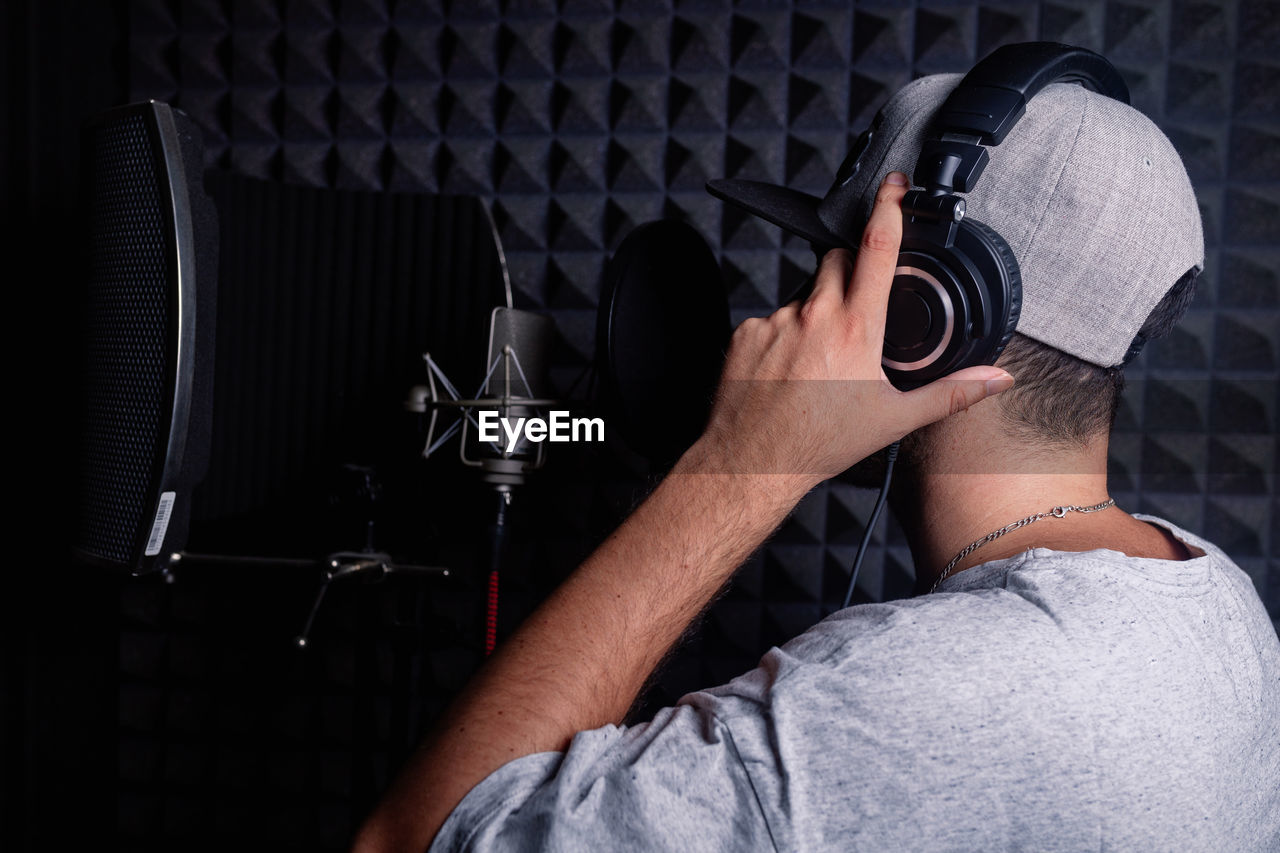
890	458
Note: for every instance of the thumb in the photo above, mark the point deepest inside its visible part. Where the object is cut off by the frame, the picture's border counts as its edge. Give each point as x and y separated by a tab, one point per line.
955	393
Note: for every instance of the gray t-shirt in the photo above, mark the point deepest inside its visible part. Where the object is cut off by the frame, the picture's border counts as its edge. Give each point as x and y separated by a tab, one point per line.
1050	701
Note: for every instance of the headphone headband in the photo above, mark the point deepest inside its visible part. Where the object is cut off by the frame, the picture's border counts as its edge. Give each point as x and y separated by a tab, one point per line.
990	100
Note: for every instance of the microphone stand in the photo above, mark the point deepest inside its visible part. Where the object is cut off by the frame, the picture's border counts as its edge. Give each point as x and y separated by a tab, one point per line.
367	563
341	565
374	565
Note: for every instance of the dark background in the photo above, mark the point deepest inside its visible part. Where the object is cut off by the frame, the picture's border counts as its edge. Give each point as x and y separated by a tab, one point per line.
177	717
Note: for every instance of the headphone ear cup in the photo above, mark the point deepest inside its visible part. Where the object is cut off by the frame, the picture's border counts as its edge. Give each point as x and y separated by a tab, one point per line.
1004	324
951	306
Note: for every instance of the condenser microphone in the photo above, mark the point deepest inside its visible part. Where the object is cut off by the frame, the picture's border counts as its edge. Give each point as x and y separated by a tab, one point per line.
516	390
496	423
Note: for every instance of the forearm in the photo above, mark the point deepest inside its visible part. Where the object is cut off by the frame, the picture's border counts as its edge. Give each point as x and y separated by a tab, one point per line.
580	660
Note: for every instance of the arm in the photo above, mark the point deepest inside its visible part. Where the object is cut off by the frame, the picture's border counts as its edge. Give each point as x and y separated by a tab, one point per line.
579	661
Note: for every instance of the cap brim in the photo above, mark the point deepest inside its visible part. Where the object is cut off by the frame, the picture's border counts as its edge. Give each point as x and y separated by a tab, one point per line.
791	209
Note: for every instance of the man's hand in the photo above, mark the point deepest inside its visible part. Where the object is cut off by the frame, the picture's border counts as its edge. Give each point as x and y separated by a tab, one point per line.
803	392
803	397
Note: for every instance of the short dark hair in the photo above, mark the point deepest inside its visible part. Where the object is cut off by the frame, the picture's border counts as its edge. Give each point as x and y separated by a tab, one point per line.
1060	399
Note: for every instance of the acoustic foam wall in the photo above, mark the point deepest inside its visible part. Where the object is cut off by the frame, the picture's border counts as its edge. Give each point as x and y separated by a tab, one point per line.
578	120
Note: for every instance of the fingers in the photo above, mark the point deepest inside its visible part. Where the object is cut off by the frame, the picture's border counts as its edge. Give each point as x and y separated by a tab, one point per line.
954	393
865	285
833	275
868	296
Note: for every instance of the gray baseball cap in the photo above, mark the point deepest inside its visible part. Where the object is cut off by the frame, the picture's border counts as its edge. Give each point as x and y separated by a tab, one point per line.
1087	191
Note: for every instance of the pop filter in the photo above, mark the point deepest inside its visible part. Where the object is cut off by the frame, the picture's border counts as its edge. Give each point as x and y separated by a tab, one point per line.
661	335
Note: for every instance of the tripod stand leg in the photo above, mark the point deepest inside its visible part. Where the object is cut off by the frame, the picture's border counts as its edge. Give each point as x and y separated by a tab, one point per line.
301	640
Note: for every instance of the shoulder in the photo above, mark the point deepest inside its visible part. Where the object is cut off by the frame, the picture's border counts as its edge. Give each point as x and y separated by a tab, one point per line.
885	719
902	661
964	629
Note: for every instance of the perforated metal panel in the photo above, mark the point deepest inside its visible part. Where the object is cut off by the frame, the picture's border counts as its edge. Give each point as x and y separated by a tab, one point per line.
128	336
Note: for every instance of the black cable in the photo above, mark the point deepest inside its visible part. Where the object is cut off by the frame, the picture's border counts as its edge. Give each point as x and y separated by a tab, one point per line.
890	458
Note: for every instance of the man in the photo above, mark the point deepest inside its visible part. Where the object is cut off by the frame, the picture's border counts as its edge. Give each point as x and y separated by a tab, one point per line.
1089	679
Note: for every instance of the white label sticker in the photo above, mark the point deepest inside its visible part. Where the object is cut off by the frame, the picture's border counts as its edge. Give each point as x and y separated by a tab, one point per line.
163	511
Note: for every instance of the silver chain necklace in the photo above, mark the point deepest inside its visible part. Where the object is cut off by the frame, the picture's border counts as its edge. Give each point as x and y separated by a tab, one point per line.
1056	512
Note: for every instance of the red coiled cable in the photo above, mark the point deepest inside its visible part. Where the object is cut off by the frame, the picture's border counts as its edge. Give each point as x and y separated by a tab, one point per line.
491	615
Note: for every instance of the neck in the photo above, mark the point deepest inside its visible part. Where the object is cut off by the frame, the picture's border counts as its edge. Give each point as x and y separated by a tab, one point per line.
958	488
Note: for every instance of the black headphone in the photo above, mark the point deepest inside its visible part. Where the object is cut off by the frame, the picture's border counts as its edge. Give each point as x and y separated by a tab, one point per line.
957	291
